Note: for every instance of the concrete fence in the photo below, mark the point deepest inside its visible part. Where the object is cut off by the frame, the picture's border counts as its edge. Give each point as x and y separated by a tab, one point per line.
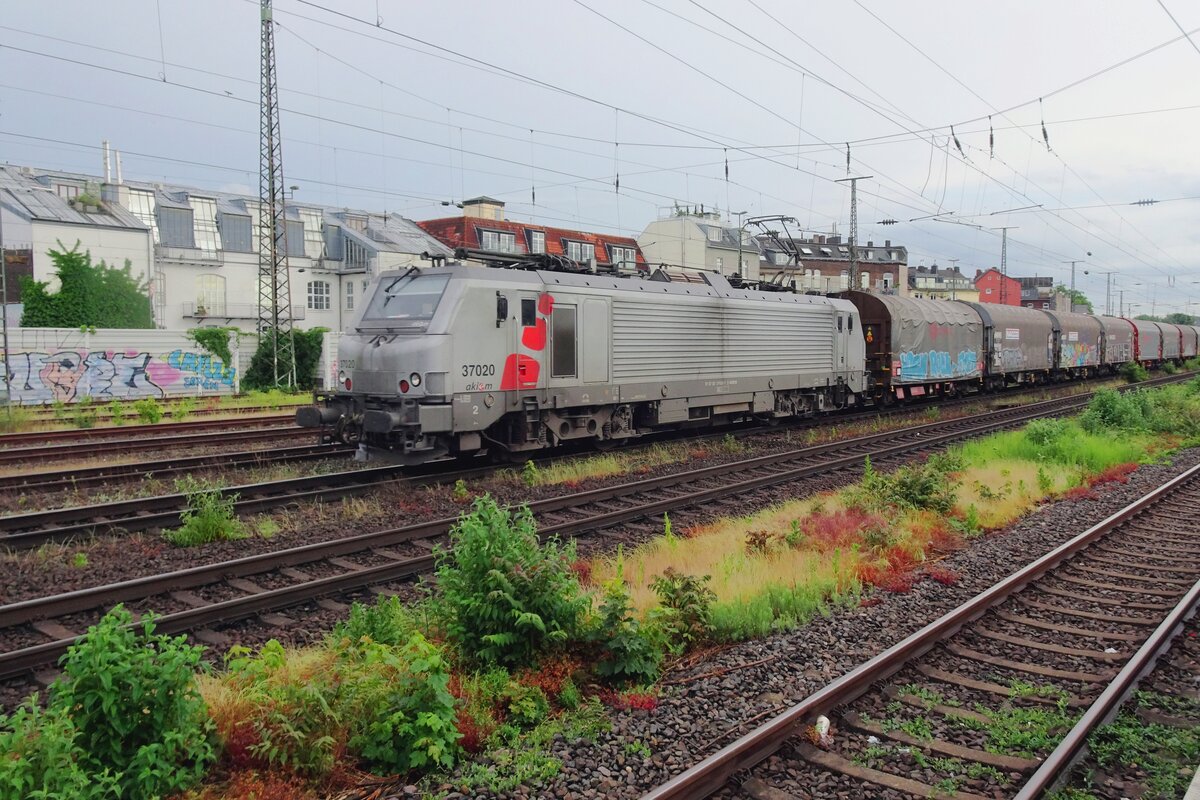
62	364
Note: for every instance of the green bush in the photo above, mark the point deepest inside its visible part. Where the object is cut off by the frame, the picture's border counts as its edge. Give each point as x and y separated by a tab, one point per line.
399	706
1108	410
1133	372
307	347
629	651
507	598
85	414
923	486
183	408
209	516
125	713
116	410
526	706
685	608
14	419
387	622
148	410
1170	367
294	723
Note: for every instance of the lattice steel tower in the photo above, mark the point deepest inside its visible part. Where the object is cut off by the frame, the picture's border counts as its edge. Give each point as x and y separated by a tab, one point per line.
274	283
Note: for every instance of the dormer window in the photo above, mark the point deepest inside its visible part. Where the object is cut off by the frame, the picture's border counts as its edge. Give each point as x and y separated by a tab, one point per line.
714	234
498	242
825	251
580	251
537	241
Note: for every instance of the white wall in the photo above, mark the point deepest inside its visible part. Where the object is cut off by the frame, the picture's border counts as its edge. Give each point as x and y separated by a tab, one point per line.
111	245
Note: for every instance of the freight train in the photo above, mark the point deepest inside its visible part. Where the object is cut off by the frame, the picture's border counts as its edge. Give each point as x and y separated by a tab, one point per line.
465	360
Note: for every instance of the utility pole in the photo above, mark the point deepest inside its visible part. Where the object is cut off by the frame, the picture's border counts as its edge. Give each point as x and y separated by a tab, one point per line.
953	279
854	282
1108	306
1073	263
274	282
4	315
1121	303
1004	263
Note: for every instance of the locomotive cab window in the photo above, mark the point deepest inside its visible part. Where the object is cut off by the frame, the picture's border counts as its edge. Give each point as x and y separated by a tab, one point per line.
406	299
528	312
839	323
562	331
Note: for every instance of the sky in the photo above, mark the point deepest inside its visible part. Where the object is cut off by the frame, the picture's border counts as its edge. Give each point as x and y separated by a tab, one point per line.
606	115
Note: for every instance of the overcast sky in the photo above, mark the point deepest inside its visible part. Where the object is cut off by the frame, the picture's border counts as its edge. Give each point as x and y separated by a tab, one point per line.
663	93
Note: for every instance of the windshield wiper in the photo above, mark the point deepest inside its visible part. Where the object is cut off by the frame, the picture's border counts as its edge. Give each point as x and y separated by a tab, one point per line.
407	272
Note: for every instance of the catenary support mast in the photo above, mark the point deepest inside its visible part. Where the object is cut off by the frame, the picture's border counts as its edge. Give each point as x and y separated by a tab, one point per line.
274	283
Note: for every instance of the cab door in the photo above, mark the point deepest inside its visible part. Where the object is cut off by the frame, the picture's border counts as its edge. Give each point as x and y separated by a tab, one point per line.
563	361
839	342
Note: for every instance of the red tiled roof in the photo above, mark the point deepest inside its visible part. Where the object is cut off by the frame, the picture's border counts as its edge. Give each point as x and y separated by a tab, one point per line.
463	232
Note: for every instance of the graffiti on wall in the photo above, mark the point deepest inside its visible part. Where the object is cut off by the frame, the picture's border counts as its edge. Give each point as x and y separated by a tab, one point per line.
70	375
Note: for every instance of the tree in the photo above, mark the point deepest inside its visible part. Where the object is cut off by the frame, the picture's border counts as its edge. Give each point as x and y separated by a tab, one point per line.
261	374
89	295
1078	298
1175	317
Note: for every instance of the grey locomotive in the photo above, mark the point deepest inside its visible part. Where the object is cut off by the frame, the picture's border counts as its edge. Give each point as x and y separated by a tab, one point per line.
461	360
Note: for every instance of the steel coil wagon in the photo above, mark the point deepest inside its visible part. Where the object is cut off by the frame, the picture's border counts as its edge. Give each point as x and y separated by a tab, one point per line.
1147	341
1078	342
1018	344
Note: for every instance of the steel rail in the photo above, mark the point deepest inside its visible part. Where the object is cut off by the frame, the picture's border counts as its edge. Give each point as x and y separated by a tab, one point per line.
1057	766
83	477
9	439
57	452
711	774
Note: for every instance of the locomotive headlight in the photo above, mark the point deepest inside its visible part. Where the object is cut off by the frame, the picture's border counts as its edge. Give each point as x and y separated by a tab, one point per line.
415	379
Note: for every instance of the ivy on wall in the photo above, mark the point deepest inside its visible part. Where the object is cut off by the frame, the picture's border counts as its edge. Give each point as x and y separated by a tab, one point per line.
89	295
261	374
215	341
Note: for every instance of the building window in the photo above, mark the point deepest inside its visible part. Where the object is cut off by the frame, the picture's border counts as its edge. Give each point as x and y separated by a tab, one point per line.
887	280
295	237
714	234
844	251
350	296
537	241
210	296
365	285
66	191
866	280
781	259
580	251
204	216
720	263
235	232
624	256
825	251
866	254
987	291
314	242
497	242
845	279
318	295
356	256
141	205
357	223
175	227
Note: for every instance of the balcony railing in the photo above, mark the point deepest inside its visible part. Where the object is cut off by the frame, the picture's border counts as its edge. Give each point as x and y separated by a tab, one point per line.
230	311
188	255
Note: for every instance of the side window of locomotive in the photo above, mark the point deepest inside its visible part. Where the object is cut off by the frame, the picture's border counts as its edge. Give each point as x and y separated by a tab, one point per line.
850	323
839	316
562	330
528	312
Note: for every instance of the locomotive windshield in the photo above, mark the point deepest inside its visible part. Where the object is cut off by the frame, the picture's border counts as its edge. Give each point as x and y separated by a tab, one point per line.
407	299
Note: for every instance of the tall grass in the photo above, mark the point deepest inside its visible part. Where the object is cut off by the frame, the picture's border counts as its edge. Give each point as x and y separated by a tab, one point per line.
1061	443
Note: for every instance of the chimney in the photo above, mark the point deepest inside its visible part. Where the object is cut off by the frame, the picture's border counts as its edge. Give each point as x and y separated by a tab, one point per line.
887	242
107	161
483	208
119	181
870	244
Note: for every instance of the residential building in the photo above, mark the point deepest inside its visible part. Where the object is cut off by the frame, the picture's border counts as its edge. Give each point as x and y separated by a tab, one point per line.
941	283
996	288
198	249
1038	292
699	240
483	234
824	264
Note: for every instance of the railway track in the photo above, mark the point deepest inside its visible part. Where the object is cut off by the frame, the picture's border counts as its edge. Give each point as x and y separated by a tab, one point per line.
109	474
47	414
36	528
273	581
9	440
216	432
1056	647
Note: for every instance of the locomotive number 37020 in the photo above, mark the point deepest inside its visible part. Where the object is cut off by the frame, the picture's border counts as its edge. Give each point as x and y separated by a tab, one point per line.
478	370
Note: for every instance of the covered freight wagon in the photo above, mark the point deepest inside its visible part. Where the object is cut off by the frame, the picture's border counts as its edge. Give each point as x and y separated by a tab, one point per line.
1118	340
916	346
1191	340
1147	341
1018	343
1172	340
1079	339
